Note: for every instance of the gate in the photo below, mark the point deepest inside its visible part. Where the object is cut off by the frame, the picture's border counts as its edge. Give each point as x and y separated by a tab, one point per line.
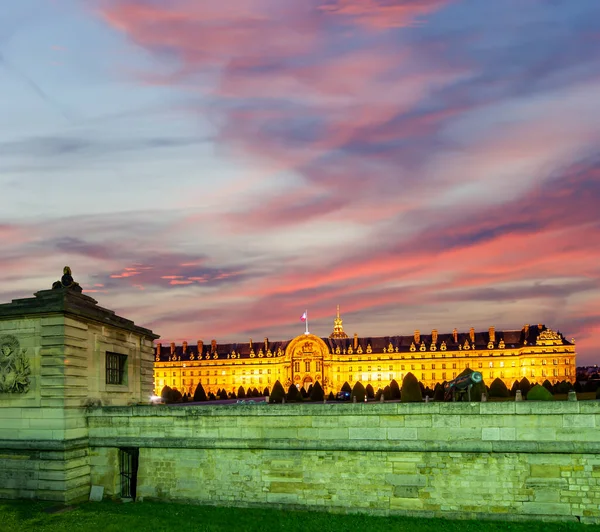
129	457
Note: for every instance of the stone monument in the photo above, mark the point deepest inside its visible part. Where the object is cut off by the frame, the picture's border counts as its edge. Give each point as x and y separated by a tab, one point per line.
59	353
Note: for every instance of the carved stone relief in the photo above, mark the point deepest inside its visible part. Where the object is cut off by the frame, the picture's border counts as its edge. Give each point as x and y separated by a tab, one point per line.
14	366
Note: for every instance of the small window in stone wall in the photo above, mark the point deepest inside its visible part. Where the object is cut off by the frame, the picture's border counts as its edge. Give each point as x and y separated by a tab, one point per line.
115	368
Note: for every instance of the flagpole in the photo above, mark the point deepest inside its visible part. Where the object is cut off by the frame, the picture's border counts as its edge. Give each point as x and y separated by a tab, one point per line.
306	321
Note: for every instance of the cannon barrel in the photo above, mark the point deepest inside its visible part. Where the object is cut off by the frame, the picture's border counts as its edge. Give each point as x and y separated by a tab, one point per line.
461	382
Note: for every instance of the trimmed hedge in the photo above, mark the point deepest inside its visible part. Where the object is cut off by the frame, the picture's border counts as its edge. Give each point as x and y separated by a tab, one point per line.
411	391
539	393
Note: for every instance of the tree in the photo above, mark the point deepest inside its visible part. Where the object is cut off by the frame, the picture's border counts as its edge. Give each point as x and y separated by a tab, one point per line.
308	392
395	389
266	392
598	393
277	393
379	395
223	394
370	391
176	396
411	391
317	393
184	399
165	393
548	385
232	395
331	397
241	393
346	387
255	392
438	392
358	391
564	387
498	388
524	386
199	394
387	393
293	394
211	396
515	387
590	386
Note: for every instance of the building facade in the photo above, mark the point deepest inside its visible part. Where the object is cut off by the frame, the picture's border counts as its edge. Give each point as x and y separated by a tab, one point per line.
534	351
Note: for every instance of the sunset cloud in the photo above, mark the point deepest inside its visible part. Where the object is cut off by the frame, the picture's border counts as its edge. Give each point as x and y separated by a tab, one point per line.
422	163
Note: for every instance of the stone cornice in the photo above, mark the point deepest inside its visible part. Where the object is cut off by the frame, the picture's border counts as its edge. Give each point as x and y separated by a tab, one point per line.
69	302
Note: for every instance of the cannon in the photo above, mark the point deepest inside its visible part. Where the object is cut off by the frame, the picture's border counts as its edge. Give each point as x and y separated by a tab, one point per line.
462	384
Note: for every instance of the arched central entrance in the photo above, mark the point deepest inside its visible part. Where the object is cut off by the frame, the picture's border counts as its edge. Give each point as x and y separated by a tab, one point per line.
304	361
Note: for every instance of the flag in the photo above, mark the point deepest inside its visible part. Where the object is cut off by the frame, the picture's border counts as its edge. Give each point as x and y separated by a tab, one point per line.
303	317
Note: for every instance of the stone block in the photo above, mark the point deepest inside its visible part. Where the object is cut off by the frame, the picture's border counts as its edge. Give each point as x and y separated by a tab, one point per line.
405	503
402	433
490	433
579	421
546	508
96	493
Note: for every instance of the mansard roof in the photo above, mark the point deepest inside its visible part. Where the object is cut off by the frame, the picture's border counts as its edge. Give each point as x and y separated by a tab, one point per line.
400	344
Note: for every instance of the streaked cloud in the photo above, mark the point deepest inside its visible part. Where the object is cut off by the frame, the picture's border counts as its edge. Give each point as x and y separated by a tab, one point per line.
423	163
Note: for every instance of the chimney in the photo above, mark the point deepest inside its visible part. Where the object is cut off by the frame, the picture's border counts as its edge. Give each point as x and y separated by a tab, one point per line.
200	347
434	336
185	347
526	329
472	335
417	337
355	341
455	335
172	347
158	349
266	344
213	346
492	332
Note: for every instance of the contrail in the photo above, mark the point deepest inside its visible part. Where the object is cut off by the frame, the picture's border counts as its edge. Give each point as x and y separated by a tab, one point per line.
19	74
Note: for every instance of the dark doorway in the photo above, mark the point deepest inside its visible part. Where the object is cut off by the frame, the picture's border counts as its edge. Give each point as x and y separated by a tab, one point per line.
129	457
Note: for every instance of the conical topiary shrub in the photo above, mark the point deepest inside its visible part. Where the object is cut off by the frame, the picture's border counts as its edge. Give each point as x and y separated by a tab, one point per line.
370	391
317	393
395	389
359	392
411	391
293	394
498	389
200	394
277	393
539	393
241	393
524	386
346	387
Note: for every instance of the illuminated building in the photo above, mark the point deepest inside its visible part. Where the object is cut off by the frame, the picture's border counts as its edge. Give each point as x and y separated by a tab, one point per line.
535	352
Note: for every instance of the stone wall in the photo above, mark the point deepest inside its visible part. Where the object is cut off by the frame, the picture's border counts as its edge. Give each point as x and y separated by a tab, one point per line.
480	460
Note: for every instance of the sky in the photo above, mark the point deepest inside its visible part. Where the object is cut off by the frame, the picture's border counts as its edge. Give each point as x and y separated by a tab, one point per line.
210	169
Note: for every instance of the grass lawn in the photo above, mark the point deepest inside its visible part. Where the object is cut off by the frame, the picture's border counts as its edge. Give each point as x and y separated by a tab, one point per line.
155	517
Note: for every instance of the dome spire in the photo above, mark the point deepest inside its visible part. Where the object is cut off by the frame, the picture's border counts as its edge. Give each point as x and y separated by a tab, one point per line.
338	328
